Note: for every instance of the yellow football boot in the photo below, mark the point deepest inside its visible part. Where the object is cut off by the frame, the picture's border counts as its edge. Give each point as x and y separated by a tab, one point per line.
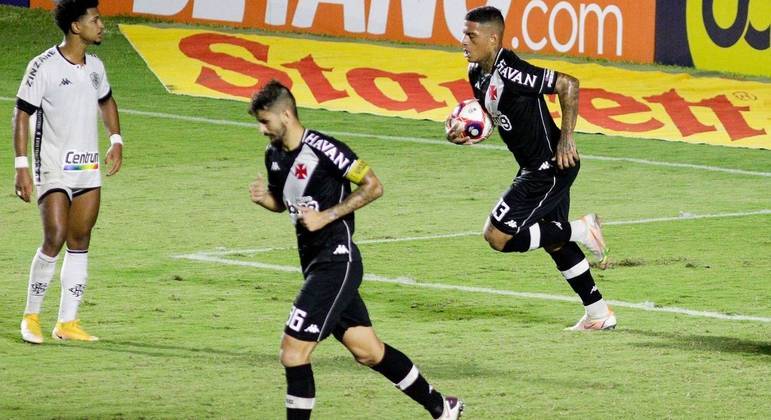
30	329
71	331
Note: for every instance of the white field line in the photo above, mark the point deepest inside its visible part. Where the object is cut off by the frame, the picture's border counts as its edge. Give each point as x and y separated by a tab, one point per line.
218	257
684	216
420	140
645	306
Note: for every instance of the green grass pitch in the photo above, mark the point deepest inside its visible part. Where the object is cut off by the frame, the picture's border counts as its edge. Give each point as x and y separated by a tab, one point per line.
198	339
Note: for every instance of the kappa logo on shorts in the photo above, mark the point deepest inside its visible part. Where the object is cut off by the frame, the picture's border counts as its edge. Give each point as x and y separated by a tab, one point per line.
274	166
313	329
559	225
512	224
544	166
340	250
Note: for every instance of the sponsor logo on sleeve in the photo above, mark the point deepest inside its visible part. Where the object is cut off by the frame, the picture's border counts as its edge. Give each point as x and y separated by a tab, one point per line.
516	76
329	149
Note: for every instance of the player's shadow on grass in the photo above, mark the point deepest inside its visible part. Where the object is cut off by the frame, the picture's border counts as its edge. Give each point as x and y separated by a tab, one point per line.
341	362
702	342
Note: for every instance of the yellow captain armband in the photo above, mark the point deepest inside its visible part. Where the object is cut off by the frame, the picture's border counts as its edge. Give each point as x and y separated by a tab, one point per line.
357	171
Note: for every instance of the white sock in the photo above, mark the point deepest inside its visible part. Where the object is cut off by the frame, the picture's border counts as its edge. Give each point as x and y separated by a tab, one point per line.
74	277
40	274
578	231
597	309
535	236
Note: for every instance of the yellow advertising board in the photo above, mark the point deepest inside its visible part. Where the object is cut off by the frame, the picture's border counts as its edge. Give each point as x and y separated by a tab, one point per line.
426	84
729	35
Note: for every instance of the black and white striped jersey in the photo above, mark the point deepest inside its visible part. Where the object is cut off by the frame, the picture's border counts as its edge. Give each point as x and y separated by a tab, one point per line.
317	174
513	96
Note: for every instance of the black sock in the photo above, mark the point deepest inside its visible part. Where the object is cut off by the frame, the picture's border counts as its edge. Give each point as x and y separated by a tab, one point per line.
300	392
575	268
399	369
541	234
554	232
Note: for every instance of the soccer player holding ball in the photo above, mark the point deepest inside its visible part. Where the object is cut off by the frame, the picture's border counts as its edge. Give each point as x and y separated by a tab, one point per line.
310	176
533	213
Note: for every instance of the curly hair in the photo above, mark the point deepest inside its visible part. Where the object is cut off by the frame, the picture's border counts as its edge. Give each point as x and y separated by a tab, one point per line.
68	11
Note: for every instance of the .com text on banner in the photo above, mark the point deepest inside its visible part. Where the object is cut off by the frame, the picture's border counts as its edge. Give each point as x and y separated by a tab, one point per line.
609	29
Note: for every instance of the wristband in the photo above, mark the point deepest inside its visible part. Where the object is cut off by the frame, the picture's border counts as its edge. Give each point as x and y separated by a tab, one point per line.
21	162
116	139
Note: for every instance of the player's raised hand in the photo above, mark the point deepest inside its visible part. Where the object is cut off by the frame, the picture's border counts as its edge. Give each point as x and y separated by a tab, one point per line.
23	184
567	152
257	190
114	158
454	130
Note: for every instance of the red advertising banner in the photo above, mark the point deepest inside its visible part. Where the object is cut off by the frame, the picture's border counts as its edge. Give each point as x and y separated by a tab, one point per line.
610	29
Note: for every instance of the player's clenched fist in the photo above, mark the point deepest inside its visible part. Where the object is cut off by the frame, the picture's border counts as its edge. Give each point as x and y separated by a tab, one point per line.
257	190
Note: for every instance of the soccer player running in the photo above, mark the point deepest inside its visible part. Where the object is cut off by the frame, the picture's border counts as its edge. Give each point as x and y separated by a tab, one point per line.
533	213
310	175
59	98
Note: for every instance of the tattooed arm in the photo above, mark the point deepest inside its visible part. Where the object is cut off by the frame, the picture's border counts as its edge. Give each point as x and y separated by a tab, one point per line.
369	189
567	90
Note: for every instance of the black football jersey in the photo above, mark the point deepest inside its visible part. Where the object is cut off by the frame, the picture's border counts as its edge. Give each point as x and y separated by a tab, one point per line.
513	96
314	175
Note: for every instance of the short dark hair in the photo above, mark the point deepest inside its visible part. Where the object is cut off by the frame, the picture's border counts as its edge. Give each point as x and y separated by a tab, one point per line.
68	11
486	14
271	94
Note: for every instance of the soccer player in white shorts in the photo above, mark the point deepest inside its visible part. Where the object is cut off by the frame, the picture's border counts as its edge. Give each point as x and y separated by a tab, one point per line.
57	104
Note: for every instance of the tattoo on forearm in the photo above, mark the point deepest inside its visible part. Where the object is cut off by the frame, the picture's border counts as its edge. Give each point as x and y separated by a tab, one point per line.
356	200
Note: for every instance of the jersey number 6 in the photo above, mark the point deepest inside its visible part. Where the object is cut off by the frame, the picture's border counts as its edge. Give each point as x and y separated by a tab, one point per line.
296	319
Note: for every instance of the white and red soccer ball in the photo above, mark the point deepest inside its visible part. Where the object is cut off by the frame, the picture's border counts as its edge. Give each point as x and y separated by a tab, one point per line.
475	124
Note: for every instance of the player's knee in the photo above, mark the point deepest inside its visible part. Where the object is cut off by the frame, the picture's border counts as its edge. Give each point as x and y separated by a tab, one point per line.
370	355
367	358
53	240
495	240
366	348
290	357
78	240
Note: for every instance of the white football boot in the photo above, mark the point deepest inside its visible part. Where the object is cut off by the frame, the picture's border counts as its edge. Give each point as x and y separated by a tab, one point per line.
608	322
594	240
453	408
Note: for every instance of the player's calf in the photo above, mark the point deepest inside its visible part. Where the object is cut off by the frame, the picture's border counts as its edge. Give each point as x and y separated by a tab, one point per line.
300	392
400	370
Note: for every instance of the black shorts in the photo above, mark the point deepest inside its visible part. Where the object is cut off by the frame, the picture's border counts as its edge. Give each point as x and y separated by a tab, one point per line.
329	302
532	197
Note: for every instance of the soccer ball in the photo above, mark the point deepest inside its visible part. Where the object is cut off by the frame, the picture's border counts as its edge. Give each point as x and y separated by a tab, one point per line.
476	124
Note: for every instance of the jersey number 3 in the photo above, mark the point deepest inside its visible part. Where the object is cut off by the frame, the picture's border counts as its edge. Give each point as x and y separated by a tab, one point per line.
500	210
